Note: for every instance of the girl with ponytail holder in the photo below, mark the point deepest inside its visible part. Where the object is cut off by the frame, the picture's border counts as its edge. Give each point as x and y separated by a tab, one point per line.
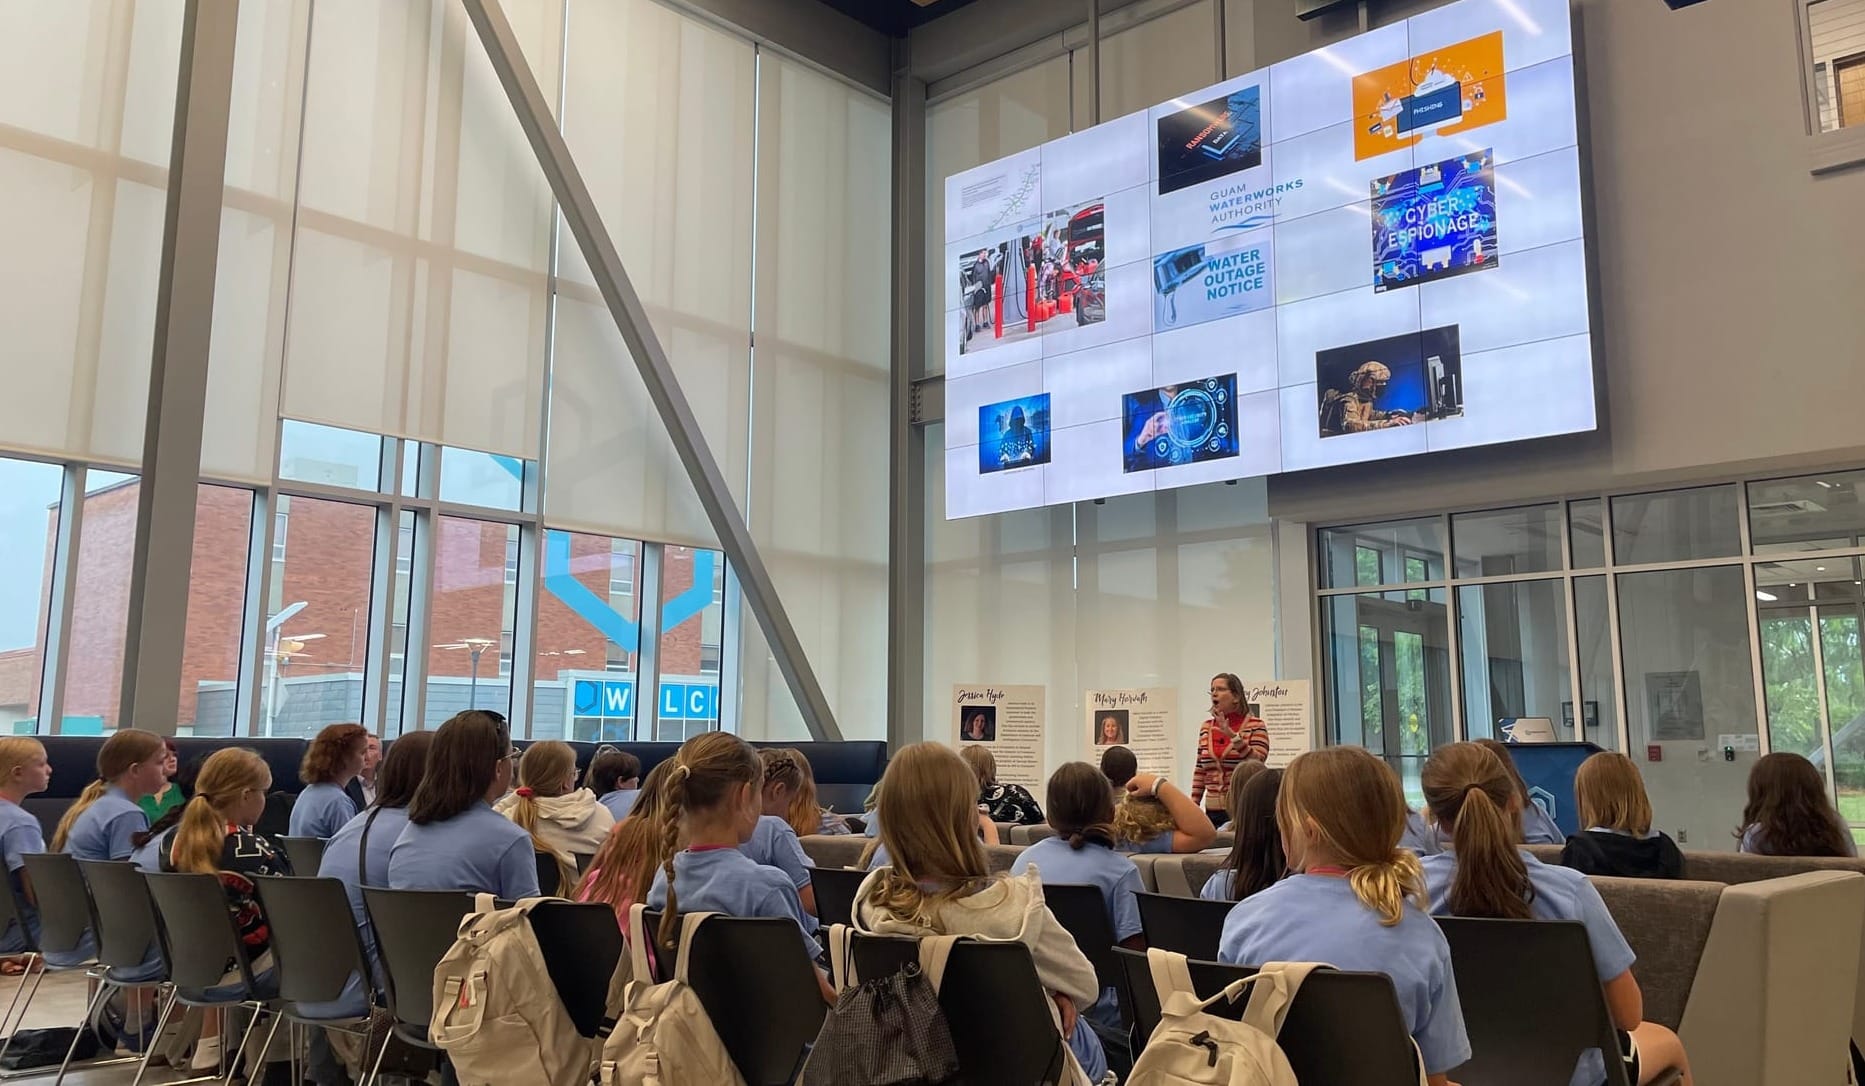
104	821
1356	899
710	804
215	837
454	840
562	819
1485	873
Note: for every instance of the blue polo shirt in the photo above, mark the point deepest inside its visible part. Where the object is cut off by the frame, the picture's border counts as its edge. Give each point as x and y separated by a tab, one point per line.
725	880
19	834
478	850
103	831
321	810
1317	918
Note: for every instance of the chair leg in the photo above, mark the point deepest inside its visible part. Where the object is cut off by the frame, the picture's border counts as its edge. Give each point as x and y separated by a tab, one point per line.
37	975
103	990
375	1068
161	1023
260	1058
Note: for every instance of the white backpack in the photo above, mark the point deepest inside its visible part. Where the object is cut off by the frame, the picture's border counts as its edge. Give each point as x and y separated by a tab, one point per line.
1192	1048
496	1011
664	1036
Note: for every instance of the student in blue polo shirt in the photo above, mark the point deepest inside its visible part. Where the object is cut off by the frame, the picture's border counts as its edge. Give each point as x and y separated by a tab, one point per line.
615	778
775	844
23	772
710	806
1154	817
331	762
454	840
1484	873
1085	852
1356	898
103	822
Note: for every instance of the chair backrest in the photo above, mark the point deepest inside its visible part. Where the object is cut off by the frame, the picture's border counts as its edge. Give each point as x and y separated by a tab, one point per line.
196	927
835	893
414	930
1343	1027
126	922
64	902
315	943
306	854
581	944
834	850
1028	835
760	991
994	1002
548	876
1186	925
583	860
1531	998
1083	913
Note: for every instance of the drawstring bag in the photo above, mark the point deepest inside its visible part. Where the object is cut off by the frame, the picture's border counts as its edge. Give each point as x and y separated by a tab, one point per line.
889	1031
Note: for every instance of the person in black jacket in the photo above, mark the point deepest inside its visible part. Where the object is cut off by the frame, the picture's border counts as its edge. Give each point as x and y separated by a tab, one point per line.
1002	801
1618	839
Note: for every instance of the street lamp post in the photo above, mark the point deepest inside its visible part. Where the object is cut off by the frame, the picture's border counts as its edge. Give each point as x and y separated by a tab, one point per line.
477	647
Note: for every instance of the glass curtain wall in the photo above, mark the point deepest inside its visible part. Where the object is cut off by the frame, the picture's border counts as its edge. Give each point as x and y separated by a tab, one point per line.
441	484
1694	629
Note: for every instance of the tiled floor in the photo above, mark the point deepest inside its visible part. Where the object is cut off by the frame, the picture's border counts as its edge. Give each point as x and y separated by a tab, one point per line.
60	1002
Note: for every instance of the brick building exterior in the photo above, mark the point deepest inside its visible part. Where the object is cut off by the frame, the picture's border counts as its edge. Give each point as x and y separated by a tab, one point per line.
322	557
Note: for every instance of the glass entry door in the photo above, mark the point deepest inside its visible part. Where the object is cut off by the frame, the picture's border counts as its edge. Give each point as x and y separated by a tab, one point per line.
1813	670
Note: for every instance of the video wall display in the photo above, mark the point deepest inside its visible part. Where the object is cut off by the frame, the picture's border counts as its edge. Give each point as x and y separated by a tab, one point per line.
1369	251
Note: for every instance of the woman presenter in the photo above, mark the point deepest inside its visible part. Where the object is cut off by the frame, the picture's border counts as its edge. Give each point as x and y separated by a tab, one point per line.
1231	736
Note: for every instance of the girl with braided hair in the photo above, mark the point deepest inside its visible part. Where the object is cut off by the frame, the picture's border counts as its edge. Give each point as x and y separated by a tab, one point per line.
710	803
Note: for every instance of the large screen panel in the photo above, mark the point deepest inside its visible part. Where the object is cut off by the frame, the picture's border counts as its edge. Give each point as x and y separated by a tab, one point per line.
1370	251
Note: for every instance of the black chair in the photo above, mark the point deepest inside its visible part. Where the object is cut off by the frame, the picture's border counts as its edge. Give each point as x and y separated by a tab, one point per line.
198	939
414	930
835	893
583	860
548	877
67	917
1082	912
994	1002
305	854
1186	925
1532	1001
1343	1027
316	947
757	986
127	935
581	944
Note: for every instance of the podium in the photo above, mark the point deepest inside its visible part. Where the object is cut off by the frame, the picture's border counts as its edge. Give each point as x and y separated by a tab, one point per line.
1548	769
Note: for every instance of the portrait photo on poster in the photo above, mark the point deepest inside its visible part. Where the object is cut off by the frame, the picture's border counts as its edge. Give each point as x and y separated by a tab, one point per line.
1110	727
980	724
1402	380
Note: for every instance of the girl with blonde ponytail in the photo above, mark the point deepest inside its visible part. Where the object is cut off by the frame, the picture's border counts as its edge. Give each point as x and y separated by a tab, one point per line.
562	819
215	837
102	823
1355	899
1484	873
710	803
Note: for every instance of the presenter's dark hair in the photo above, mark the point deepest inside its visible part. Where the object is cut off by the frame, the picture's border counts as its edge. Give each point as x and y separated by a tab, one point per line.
1080	805
402	768
461	765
